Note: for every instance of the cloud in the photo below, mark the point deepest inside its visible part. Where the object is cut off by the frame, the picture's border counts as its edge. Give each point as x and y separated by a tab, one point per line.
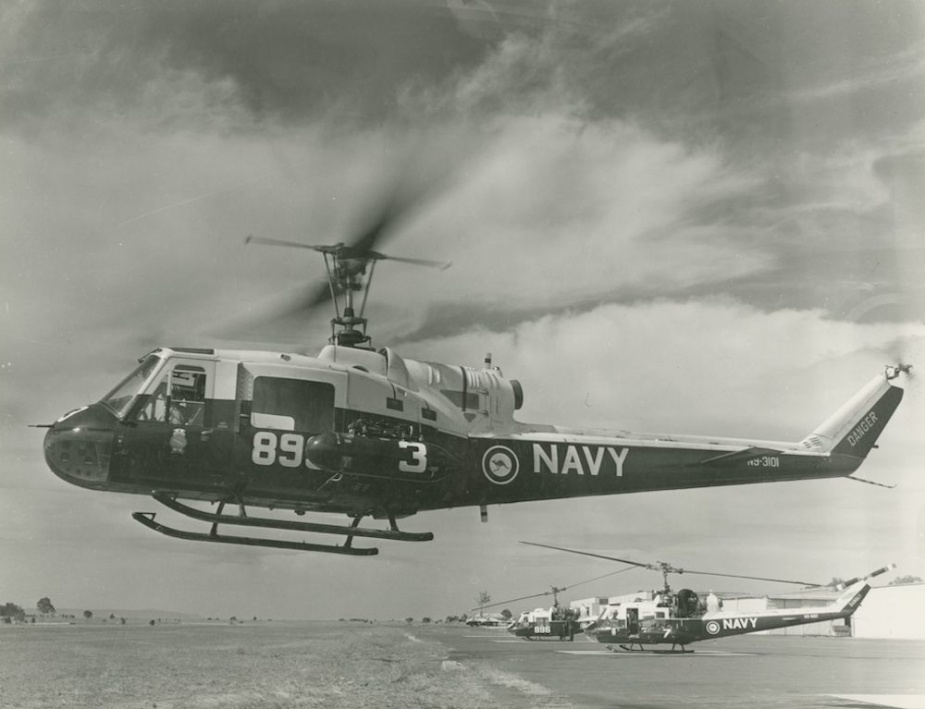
583	209
220	65
897	67
619	366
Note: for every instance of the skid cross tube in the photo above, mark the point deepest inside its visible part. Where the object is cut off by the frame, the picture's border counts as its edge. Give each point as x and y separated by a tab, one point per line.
352	530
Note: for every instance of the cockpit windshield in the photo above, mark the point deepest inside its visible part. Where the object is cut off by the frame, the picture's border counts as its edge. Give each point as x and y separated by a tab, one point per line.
120	399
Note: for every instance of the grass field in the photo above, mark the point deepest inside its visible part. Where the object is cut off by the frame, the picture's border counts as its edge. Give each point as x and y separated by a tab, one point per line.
272	665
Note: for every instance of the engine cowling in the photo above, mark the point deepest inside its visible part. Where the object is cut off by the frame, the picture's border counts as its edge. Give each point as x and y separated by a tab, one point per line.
688	603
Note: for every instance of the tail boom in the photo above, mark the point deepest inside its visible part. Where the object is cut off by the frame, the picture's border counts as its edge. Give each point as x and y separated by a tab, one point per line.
844	606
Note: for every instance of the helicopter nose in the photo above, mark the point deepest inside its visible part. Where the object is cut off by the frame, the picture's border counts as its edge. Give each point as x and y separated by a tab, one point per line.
78	447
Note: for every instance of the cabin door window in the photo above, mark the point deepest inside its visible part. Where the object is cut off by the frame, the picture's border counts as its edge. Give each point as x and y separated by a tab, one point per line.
632	621
293	405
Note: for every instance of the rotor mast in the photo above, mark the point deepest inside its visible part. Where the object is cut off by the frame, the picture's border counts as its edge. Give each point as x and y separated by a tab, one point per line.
346	275
666	569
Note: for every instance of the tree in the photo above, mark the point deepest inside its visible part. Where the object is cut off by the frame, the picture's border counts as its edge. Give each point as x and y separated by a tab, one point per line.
506	614
484	600
902	580
10	612
45	607
88	614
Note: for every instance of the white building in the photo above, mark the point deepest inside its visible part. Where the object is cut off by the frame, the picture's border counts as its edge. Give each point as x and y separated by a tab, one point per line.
589	608
894	612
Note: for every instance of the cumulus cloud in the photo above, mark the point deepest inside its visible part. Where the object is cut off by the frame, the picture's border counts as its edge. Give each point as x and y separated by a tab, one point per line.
652	367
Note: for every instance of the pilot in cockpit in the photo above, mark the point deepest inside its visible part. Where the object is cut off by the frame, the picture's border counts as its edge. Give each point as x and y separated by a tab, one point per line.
183	407
187	399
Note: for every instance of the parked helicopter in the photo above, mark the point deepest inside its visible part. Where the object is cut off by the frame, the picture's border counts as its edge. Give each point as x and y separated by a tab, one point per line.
491	620
542	623
368	433
554	622
663	617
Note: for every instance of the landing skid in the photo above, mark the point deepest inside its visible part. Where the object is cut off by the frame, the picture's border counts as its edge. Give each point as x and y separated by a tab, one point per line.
631	648
216	518
147	519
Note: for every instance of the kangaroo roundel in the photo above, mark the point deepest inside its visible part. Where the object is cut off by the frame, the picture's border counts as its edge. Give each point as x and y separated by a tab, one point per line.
500	465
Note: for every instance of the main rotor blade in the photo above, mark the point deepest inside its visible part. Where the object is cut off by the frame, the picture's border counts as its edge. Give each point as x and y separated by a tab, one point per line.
442	265
284	320
353	250
282	242
558	590
599	556
368	237
307	299
418	178
597	578
751	578
672	569
511	600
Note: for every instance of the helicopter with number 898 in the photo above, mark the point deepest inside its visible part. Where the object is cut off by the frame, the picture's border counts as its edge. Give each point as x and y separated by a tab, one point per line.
365	432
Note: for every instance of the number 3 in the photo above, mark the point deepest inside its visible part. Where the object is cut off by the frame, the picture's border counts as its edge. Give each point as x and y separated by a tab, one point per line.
418	462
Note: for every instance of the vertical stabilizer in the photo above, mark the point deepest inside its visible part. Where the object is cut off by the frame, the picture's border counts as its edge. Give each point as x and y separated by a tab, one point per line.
856	591
849	601
854	428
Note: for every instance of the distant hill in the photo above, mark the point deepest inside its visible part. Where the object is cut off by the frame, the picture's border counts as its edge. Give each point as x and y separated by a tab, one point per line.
133	614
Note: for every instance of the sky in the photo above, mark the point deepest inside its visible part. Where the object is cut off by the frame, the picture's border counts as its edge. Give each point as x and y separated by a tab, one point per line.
696	217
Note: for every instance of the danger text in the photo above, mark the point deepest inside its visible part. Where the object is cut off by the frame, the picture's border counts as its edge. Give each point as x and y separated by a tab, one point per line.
863	427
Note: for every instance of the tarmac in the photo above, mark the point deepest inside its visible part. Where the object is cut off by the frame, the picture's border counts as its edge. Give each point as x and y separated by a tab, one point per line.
774	671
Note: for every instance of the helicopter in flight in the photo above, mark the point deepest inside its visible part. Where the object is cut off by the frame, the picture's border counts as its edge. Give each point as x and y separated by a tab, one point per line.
680	618
362	431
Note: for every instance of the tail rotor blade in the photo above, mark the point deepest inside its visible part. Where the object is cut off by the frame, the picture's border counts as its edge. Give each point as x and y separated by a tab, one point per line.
872	574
